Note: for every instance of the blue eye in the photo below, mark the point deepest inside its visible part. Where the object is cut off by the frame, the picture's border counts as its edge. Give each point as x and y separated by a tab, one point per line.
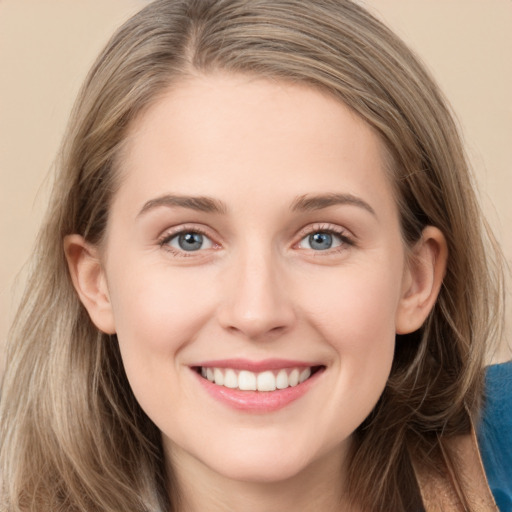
321	241
189	241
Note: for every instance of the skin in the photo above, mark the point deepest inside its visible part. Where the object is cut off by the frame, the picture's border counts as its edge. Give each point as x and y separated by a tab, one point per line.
257	289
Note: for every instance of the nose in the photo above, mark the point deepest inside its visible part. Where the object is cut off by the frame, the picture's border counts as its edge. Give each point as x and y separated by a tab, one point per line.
256	301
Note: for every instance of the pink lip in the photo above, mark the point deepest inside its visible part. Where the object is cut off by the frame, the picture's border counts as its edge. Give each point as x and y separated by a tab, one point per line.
256	366
257	401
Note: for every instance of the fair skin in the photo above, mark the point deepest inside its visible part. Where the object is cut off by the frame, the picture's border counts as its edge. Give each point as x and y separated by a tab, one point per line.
294	261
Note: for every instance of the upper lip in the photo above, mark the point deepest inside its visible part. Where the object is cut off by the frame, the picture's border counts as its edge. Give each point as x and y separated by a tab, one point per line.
256	366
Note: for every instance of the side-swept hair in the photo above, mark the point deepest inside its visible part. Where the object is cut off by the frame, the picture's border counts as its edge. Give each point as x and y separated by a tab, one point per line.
73	436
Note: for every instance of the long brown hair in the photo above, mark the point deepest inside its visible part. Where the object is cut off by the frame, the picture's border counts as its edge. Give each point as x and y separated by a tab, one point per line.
73	435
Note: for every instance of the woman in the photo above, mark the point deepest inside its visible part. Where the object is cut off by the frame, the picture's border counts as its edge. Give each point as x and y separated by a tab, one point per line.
262	292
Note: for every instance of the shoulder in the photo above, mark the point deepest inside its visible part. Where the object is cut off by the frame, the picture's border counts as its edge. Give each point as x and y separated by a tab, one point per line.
495	433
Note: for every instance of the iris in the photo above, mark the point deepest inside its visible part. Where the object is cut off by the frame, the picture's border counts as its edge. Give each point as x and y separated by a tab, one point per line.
320	241
190	241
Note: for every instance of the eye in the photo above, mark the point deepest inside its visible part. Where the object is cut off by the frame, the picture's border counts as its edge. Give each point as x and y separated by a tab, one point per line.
188	241
323	241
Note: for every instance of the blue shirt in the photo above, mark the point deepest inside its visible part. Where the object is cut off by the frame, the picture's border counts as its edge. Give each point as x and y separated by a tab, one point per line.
495	434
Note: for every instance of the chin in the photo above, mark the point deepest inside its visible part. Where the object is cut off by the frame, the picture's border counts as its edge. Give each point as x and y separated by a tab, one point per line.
268	470
270	462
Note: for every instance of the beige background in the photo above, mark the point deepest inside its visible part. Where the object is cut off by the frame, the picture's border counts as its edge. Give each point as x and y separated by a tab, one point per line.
47	46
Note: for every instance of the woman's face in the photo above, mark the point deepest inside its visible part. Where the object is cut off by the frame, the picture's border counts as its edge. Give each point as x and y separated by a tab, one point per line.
254	240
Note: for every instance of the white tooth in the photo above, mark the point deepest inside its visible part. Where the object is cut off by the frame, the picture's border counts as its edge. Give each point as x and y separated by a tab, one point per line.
230	379
209	374
219	376
305	374
282	380
266	381
247	381
203	371
293	378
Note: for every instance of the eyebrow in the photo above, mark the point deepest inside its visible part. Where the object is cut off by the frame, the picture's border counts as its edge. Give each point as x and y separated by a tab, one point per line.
199	203
210	205
318	202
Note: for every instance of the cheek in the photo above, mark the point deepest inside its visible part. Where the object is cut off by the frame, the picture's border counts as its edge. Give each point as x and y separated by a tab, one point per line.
157	312
357	306
355	315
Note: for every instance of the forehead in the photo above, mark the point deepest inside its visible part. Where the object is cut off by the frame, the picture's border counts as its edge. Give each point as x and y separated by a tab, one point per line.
217	133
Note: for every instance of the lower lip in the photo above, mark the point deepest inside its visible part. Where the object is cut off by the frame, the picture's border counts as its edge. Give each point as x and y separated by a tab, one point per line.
258	401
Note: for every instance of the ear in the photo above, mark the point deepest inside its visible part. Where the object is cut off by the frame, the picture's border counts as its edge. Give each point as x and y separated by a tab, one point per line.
89	280
422	281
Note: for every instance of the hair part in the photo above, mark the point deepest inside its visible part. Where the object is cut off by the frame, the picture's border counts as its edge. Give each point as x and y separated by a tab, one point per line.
76	438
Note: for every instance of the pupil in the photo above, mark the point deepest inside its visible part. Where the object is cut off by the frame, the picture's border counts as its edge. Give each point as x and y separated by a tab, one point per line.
320	241
190	241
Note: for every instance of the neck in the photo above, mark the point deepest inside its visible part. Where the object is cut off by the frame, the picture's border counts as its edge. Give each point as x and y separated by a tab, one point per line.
319	486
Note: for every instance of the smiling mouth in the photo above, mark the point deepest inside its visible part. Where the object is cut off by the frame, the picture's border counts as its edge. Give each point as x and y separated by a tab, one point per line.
268	380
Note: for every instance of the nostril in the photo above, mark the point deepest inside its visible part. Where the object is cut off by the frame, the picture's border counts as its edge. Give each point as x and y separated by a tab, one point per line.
256	307
256	329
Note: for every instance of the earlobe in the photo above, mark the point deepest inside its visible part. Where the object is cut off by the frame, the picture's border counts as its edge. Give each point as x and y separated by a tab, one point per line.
422	280
88	278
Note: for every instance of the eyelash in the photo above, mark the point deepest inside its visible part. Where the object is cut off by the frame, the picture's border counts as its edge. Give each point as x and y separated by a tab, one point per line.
163	242
341	233
346	239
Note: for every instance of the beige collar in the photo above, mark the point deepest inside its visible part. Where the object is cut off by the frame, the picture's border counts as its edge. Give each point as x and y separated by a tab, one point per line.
459	483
